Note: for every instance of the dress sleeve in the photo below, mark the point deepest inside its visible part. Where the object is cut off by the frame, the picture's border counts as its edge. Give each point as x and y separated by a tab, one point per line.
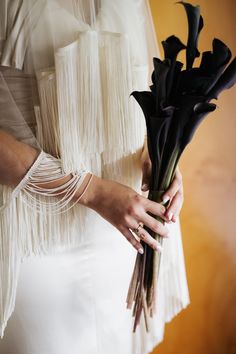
36	219
46	178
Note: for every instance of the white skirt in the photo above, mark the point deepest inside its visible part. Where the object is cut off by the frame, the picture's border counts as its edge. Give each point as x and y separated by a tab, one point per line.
74	302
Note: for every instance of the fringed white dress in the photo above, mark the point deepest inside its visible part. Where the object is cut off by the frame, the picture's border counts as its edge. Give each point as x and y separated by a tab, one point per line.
68	68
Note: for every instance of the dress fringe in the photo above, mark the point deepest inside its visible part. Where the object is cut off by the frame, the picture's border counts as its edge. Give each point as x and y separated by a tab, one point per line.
35	221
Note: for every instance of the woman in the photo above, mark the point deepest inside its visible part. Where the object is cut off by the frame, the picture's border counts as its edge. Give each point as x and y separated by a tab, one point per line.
72	153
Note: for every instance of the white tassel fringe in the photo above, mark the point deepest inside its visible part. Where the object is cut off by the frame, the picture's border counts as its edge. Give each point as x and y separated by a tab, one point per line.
33	220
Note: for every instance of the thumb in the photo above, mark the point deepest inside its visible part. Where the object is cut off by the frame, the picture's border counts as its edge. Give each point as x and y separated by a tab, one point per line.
146	175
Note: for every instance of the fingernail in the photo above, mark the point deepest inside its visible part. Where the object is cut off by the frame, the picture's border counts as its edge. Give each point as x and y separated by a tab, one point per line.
170	216
144	187
158	248
140	250
166	199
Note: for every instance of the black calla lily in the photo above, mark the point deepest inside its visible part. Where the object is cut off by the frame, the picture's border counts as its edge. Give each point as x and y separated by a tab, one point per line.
161	69
201	110
226	81
195	25
214	63
216	60
174	83
178	102
172	46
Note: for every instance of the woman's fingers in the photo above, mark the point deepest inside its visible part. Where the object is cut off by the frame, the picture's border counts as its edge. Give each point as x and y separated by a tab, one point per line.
174	187
175	206
148	239
146	174
156	209
146	167
139	231
126	210
175	195
130	237
155	225
133	222
143	235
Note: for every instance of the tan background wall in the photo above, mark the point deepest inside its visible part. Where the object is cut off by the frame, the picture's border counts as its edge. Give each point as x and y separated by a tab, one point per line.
208	325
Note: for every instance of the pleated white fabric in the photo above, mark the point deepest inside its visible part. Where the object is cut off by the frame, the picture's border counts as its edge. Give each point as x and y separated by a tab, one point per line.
80	112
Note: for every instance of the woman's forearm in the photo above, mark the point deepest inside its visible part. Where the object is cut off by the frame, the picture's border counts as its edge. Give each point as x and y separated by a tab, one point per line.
118	204
15	159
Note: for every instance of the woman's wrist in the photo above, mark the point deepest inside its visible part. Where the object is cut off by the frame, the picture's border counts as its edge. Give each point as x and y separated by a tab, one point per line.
89	195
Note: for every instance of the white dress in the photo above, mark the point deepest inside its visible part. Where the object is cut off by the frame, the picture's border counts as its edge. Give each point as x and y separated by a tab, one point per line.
74	302
64	278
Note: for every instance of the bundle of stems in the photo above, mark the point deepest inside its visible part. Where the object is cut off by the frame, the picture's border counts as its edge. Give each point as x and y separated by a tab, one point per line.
174	107
143	285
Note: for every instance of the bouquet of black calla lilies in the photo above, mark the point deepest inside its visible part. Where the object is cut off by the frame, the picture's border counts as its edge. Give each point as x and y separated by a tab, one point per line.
177	103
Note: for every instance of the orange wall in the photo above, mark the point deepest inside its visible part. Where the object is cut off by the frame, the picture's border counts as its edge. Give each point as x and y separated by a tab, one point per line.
208	325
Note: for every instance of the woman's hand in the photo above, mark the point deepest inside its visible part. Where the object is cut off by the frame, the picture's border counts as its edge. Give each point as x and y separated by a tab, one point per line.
118	204
174	193
176	196
126	210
